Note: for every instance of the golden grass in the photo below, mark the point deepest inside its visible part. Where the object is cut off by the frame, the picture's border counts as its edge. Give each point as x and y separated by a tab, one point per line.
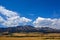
32	36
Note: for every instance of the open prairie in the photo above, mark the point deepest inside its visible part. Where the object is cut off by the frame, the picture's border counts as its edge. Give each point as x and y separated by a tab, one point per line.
31	36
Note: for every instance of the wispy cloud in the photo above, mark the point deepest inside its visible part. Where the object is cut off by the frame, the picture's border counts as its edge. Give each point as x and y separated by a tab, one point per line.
55	14
31	14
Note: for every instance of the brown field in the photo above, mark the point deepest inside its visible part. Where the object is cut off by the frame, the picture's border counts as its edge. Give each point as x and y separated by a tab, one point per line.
31	36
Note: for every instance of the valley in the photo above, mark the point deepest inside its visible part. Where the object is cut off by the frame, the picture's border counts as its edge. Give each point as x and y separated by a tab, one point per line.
31	36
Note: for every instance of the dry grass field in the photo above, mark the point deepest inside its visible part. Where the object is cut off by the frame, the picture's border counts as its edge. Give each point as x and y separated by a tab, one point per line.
31	36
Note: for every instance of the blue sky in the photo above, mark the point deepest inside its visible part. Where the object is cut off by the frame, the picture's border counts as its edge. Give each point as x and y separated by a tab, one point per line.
34	8
37	10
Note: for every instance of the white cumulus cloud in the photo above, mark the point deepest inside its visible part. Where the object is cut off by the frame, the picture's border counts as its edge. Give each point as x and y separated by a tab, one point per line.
47	22
13	18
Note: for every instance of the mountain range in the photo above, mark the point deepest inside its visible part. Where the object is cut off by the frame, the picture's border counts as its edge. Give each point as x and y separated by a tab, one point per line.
29	28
